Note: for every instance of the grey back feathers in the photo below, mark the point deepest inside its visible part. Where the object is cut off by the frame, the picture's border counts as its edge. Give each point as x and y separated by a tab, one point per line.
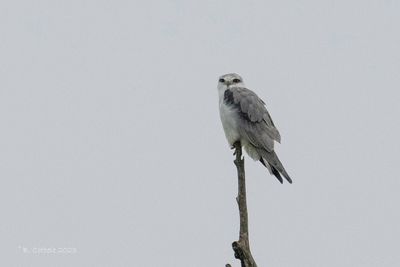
256	123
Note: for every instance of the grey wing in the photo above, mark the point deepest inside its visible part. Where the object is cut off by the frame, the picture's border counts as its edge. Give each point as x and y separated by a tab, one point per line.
256	123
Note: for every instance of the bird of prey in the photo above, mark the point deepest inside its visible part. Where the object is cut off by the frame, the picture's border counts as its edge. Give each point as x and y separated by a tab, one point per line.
245	119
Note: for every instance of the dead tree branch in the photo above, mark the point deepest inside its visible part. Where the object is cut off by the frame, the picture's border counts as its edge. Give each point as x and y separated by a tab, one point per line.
242	246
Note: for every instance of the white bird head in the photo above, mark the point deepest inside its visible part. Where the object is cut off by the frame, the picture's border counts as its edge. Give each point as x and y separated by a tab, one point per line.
230	80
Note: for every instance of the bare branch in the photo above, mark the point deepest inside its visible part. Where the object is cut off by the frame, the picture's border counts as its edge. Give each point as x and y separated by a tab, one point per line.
242	246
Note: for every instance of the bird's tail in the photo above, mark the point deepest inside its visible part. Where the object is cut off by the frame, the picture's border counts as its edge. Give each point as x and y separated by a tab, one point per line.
275	165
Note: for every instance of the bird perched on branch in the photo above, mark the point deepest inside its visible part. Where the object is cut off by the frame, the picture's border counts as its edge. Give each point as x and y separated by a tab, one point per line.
246	120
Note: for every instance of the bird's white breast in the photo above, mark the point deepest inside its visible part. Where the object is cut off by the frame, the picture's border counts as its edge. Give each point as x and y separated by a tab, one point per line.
229	118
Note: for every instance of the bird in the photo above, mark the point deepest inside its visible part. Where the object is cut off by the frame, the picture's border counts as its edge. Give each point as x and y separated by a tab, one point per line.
245	119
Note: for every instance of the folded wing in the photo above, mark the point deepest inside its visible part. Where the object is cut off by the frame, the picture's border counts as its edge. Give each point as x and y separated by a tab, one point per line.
255	122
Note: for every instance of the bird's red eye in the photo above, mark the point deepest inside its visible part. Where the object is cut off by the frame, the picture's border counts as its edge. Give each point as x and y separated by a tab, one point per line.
236	80
221	80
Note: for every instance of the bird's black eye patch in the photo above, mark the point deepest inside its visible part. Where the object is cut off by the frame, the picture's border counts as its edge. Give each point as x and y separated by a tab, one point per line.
221	80
236	80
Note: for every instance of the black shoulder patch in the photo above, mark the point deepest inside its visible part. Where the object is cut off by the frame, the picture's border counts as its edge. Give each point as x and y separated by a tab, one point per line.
228	97
228	100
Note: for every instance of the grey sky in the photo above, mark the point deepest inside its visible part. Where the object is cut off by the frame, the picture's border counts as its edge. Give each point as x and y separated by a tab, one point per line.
111	141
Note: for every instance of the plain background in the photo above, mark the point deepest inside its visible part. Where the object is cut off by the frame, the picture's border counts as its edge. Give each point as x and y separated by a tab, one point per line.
111	141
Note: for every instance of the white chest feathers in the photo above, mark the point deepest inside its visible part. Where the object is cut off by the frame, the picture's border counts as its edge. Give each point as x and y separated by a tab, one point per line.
229	119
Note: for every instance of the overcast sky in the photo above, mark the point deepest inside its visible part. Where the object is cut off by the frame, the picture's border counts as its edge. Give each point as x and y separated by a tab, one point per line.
111	144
